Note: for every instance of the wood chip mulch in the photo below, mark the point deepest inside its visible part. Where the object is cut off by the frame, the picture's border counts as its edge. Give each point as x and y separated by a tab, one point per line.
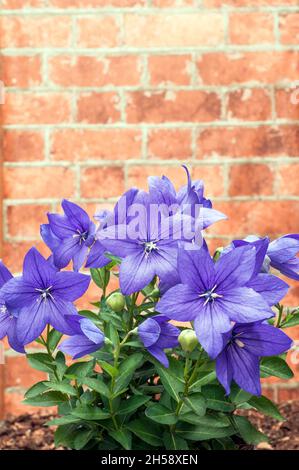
28	432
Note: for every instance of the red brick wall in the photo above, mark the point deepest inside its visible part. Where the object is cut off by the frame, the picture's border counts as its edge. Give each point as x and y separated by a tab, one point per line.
102	93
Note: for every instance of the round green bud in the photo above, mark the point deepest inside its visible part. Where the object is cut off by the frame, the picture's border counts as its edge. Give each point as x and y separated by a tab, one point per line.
188	340
116	302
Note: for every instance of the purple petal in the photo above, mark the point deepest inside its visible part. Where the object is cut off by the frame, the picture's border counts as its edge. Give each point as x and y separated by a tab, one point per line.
246	370
80	257
161	191
66	251
261	339
270	287
235	269
224	371
244	305
61	226
169	336
58	312
115	240
91	331
78	346
284	248
149	332
5	321
164	260
5	274
120	214
159	354
180	303
136	272
70	286
196	269
289	268
76	215
32	321
209	325
209	217
17	293
48	236
13	338
96	257
169	281
260	245
37	270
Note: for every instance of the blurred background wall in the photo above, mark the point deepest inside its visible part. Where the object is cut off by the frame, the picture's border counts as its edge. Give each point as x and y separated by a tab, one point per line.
102	93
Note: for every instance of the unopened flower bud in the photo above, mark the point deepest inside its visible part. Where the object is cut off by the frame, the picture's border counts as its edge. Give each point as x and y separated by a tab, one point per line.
188	340
116	302
218	253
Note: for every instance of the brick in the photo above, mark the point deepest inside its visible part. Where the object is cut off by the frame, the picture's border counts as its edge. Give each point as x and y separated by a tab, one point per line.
249	104
95	3
102	182
249	142
218	68
256	217
37	108
16	4
101	31
286	394
172	3
269	393
288	177
173	106
32	216
172	69
251	28
86	71
102	144
39	182
14	405
98	108
289	28
14	252
23	145
21	71
35	31
19	373
287	103
253	3
173	30
169	143
212	176
250	179
137	175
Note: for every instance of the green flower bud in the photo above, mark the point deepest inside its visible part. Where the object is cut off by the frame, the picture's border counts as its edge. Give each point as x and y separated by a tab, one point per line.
188	340
217	253
116	302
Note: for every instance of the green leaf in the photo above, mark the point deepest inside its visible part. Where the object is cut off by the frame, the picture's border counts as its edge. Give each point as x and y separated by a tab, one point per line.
206	378
276	366
90	315
216	399
132	404
46	399
291	320
54	338
36	389
196	402
68	419
215	421
98	385
266	406
123	437
171	383
90	413
111	370
161	414
62	387
41	361
238	396
248	432
100	277
146	430
174	442
79	369
126	371
202	433
82	438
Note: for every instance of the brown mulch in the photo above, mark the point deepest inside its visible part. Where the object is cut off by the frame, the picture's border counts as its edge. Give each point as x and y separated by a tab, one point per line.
28	432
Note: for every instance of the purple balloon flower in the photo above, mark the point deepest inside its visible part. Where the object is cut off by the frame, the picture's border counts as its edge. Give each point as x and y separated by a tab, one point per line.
157	334
215	294
42	295
8	316
86	339
244	345
283	255
69	236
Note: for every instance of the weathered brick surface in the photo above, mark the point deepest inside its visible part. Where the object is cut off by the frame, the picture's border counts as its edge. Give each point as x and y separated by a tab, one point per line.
103	93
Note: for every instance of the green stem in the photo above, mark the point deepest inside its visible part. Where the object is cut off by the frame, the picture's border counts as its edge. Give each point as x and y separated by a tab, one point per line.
280	312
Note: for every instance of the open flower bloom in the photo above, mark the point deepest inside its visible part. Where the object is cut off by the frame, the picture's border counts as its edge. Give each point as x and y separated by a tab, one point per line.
69	236
240	358
283	255
86	339
157	334
42	295
148	247
8	316
215	294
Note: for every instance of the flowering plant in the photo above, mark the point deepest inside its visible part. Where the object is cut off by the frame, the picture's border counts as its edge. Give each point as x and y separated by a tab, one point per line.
168	358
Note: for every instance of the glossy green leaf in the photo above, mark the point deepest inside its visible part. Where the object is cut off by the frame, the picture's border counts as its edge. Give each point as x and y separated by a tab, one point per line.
248	432
97	385
62	387
46	399
196	402
216	399
173	442
202	433
132	404
123	437
146	430
90	413
276	366
266	406
161	414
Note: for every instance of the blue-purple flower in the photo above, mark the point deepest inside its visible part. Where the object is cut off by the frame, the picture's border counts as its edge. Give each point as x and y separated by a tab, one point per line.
42	295
8	316
283	255
69	236
215	294
240	358
86	338
157	334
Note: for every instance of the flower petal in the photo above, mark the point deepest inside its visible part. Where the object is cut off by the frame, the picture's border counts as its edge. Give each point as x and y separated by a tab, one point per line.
13	338
270	287
32	321
48	236
5	274
196	269
149	332
66	251
58	312
224	371
70	286
96	257
61	226
18	293
235	268
80	257
261	339
244	305
115	240
246	370
37	270
136	272
91	331
76	215
180	303
78	346
159	354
